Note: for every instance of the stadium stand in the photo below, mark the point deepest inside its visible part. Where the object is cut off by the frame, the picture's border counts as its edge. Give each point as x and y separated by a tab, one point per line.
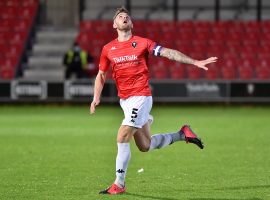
16	21
241	43
243	47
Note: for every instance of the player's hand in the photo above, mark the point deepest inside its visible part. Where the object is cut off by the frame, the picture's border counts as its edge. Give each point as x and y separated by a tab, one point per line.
93	106
202	63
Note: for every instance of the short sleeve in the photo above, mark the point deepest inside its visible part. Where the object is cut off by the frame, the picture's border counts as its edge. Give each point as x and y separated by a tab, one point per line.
104	62
153	48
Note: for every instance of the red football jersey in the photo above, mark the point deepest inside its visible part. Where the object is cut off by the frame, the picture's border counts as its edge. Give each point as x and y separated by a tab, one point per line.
129	61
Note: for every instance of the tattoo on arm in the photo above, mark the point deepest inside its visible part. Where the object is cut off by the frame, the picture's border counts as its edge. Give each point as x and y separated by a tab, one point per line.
176	55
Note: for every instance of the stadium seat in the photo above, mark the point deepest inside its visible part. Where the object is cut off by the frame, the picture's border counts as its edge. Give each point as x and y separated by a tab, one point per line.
245	72
194	73
265	48
160	74
16	18
168	27
7	73
263	72
201	39
30	3
228	73
160	69
213	71
9	12
184	25
228	68
177	71
27	12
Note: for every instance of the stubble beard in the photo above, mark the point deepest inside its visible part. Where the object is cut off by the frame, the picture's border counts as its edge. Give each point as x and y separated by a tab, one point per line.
124	28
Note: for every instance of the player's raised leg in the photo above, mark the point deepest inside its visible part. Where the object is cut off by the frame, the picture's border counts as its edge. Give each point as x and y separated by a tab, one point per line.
146	142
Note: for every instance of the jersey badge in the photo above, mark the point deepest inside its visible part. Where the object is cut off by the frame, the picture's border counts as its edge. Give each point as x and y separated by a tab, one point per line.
134	44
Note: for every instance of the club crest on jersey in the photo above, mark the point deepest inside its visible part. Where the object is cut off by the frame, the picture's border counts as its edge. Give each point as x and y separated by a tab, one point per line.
134	44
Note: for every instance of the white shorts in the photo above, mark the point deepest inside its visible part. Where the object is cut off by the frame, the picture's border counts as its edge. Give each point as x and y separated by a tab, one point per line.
136	110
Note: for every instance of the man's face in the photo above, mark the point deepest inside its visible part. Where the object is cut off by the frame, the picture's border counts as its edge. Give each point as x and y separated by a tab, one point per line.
122	22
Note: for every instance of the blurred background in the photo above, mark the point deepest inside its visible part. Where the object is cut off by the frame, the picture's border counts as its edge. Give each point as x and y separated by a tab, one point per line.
49	50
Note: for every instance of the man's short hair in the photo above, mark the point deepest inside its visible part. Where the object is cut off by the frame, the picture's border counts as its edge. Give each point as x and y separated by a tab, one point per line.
120	10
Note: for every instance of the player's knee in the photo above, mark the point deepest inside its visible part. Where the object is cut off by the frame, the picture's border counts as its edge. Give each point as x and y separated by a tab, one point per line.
144	148
124	136
123	139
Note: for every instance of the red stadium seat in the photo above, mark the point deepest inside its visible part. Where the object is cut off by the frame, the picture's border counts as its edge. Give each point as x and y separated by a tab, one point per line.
213	71
245	72
177	71
7	73
202	27
168	27
16	19
263	63
138	24
265	48
27	12
253	26
14	51
219	43
228	73
5	26
30	3
237	43
226	25
13	3
237	26
265	26
9	12
160	69
218	37
183	26
86	26
194	73
21	25
234	46
160	74
228	68
153	26
235	37
262	72
199	55
263	55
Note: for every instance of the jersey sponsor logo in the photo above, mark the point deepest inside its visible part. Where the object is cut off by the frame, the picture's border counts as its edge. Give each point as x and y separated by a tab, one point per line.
125	58
134	44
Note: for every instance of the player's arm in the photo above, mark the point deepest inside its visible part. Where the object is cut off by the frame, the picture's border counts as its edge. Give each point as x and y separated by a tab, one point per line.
99	83
180	57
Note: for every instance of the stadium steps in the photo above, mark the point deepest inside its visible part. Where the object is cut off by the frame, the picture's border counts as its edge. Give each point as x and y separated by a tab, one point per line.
45	60
44	49
55	36
44	74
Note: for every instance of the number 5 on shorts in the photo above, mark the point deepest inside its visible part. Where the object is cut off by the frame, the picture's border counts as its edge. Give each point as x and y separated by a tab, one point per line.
134	114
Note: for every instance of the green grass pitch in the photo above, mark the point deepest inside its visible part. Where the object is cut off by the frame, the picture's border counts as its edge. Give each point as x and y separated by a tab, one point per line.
62	153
